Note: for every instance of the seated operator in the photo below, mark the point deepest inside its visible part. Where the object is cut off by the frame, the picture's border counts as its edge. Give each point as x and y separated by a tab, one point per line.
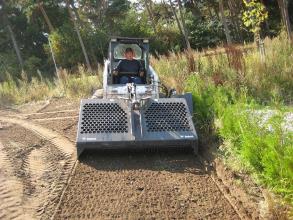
129	65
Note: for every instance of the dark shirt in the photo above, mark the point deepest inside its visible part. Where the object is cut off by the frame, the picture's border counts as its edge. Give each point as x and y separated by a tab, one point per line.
132	66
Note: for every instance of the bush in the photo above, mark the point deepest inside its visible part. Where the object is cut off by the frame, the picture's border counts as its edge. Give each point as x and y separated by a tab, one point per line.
254	136
265	147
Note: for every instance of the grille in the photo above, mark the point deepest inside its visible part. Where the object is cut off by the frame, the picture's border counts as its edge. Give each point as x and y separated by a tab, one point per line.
103	118
170	116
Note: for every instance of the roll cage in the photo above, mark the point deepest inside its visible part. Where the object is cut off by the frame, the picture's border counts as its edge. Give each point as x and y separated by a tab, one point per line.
142	43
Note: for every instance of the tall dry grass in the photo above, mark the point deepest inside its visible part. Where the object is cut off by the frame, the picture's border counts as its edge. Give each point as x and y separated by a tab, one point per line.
265	81
75	85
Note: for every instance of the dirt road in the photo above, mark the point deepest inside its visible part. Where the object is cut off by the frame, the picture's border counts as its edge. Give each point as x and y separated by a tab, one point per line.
43	181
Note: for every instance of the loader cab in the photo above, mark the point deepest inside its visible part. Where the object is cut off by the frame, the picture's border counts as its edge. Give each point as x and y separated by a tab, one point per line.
111	88
117	48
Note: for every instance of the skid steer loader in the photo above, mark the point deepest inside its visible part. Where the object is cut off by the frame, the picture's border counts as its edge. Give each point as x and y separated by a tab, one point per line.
135	116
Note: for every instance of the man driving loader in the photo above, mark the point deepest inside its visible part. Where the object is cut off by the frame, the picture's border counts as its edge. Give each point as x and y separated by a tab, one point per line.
129	70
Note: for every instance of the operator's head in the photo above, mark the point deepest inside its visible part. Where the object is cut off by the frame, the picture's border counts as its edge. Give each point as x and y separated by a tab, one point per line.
129	54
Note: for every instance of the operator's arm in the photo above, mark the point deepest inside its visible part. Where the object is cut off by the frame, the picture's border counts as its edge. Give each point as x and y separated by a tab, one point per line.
117	69
141	69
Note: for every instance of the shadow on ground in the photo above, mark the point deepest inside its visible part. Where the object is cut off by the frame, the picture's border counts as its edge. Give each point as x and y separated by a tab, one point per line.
171	160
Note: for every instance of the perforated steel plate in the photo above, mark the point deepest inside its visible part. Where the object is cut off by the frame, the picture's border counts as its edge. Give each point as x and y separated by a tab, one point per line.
103	118
167	116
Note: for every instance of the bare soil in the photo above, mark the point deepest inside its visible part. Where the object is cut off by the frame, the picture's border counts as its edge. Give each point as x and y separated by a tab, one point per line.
66	127
40	180
31	166
164	185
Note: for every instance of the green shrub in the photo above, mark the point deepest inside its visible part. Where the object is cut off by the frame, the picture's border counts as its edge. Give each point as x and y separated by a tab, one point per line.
253	140
265	147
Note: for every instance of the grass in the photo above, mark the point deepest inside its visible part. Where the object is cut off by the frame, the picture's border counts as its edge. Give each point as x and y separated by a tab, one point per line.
232	93
172	69
78	85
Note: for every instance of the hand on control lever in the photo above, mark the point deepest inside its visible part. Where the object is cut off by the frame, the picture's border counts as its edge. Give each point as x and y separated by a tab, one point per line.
141	74
115	73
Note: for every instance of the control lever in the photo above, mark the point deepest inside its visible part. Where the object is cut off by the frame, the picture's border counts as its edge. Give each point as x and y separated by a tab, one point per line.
132	96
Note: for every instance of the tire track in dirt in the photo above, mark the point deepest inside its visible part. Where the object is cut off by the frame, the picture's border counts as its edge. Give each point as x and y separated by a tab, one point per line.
53	112
59	141
55	118
11	190
60	105
39	164
55	115
57	189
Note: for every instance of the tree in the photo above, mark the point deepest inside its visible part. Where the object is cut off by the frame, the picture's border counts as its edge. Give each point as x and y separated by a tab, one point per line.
224	22
185	32
78	34
283	5
235	8
192	5
50	26
254	15
11	33
149	10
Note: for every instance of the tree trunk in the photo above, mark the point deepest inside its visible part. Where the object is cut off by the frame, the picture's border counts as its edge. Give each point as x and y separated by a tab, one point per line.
80	22
79	36
233	8
94	58
189	55
224	22
216	10
283	5
16	48
176	18
185	32
12	36
151	16
40	5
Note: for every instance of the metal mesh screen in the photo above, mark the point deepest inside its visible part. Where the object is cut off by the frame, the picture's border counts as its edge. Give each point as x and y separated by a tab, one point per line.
169	116
103	118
